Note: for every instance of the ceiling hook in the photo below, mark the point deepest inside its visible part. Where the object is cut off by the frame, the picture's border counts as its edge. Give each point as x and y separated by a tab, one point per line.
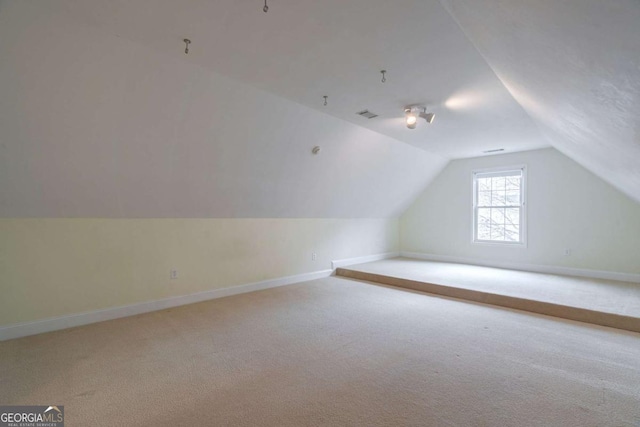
384	77
325	100
187	42
265	8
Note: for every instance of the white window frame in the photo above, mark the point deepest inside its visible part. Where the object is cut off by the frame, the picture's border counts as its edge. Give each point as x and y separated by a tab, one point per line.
523	205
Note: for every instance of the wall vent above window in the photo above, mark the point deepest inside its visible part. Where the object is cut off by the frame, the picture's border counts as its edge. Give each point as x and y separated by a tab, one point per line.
366	113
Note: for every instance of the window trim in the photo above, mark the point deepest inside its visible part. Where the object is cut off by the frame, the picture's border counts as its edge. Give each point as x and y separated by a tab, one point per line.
523	206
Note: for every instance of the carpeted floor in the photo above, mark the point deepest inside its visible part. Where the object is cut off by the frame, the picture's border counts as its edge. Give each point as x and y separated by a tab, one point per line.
332	352
600	295
601	302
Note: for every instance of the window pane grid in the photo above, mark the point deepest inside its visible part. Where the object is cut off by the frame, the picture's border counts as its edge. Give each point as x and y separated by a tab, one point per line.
498	201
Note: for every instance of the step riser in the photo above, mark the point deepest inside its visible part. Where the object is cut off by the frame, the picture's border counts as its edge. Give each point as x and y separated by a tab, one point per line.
539	307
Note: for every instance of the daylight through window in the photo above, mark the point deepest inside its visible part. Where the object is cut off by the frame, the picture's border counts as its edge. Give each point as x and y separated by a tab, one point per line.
498	206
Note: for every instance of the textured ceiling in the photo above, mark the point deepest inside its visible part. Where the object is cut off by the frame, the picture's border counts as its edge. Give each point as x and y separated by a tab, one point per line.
574	65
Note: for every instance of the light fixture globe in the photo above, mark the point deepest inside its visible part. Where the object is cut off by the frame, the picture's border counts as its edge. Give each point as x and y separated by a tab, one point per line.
411	117
412	120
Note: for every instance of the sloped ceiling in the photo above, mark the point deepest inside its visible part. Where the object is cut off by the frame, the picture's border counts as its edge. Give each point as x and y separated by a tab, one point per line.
94	125
102	114
574	65
304	49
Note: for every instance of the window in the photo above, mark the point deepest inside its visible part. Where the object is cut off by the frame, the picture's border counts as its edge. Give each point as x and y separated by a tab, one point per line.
498	206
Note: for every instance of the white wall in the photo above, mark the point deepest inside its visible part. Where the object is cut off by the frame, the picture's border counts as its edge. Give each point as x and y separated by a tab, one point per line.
57	267
567	207
114	150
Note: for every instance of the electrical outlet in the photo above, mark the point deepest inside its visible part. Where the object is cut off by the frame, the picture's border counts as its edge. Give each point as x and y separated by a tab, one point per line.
314	256
174	274
567	252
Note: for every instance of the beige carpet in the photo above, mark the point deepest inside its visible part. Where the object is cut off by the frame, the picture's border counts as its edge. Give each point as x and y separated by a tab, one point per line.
332	352
601	302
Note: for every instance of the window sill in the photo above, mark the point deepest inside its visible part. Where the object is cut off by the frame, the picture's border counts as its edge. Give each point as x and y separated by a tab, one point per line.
521	245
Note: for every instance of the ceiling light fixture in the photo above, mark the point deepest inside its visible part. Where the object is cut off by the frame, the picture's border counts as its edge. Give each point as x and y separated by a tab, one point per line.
412	112
412	120
428	117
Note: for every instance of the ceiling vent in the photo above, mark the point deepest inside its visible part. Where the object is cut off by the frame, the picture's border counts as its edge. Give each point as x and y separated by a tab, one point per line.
368	114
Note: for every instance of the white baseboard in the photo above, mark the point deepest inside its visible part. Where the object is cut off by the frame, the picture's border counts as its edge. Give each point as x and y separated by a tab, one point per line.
548	269
362	259
64	322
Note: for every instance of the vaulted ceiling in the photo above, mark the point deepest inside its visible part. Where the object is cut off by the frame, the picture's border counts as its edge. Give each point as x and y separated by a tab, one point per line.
303	50
574	66
102	113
